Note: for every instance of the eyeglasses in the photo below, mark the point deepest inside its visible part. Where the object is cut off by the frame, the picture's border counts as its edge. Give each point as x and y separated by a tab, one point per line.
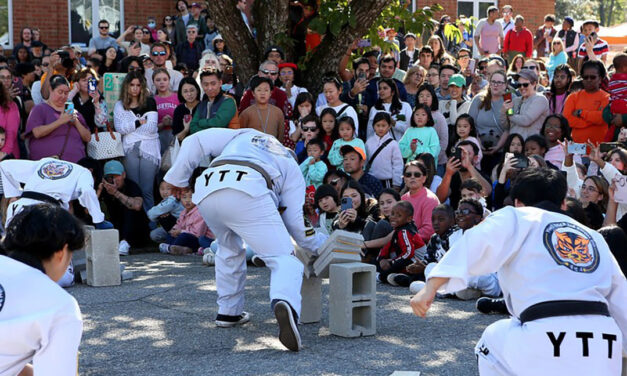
463	57
497	83
287	73
533	67
526	84
158	53
271	73
309	129
146	32
45	64
464	212
414	174
590	77
104	27
589	188
168	19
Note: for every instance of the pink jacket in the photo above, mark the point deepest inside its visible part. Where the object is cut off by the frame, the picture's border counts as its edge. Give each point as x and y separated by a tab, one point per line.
424	201
191	221
10	121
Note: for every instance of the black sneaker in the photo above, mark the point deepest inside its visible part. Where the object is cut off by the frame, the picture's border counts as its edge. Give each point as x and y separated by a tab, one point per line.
490	305
399	279
226	321
288	329
257	261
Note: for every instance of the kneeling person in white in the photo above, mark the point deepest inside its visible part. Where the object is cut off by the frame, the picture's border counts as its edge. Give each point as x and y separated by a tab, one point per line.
566	293
253	191
40	322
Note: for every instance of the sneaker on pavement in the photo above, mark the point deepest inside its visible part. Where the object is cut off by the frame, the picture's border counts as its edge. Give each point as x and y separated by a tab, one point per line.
257	261
226	321
288	329
164	248
391	278
468	294
209	259
416	286
124	248
491	305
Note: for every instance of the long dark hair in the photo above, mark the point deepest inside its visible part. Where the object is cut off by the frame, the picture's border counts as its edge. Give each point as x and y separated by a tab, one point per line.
396	105
564	126
560	68
362	211
188	81
5	97
300	99
434	101
420	106
335	134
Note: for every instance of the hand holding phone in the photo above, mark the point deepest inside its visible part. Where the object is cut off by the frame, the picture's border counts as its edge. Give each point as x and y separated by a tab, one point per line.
347	203
575	148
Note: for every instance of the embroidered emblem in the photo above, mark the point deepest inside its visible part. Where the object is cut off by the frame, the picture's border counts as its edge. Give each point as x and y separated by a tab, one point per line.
571	246
55	170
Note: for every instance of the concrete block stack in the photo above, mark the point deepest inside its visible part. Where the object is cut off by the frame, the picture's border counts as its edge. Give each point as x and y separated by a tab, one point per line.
352	299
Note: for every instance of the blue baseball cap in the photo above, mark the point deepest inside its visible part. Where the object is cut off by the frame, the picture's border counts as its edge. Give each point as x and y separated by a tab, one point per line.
113	168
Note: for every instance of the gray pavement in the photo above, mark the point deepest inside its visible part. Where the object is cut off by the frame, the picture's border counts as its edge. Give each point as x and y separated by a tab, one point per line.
161	323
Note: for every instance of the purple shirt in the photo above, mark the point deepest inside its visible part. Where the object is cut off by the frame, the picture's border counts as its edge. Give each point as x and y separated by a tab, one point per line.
52	144
166	106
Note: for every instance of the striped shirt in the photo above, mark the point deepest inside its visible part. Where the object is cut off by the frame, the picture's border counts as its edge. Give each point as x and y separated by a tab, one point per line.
618	93
600	48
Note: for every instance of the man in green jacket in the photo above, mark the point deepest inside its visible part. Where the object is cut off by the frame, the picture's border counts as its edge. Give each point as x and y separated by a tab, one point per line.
216	110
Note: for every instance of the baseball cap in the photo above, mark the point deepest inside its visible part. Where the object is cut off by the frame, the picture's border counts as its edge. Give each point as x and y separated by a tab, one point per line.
594	22
195	5
457	80
529	74
348	148
570	20
410	35
113	168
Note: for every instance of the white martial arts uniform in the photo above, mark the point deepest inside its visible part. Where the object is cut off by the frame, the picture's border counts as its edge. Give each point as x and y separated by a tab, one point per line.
39	322
237	205
61	180
543	256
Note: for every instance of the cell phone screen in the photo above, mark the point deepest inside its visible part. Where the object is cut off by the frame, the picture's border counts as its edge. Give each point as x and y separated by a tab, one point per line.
507	96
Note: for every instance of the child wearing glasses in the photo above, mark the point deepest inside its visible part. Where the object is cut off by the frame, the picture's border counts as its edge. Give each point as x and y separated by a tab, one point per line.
405	248
313	168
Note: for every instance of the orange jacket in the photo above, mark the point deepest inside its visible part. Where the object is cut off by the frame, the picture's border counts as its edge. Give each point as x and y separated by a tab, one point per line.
589	125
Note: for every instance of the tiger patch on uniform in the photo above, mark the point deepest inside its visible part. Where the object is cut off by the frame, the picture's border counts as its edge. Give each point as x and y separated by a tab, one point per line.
571	246
55	170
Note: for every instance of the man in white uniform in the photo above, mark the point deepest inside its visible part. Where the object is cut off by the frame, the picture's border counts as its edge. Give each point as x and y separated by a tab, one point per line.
253	191
566	293
51	181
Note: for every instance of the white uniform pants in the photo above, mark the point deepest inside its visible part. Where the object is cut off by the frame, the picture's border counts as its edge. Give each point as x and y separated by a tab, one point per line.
568	345
235	217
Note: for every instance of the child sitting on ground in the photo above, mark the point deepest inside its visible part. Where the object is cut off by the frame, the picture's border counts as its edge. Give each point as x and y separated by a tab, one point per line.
405	247
313	168
471	189
165	213
184	237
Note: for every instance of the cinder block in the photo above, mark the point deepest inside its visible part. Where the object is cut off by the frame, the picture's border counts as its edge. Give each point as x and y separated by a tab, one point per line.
352	282
103	259
353	319
321	265
311	300
405	373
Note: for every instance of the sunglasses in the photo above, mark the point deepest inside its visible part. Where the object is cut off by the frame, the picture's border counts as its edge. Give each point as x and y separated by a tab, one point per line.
146	32
309	129
271	73
158	53
591	77
464	57
168	19
45	64
533	67
104	27
526	84
414	174
464	212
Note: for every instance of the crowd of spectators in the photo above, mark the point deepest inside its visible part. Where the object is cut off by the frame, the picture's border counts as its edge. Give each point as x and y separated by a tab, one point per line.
445	126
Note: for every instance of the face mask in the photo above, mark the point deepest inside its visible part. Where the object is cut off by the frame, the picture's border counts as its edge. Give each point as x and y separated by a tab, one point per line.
227	87
151	24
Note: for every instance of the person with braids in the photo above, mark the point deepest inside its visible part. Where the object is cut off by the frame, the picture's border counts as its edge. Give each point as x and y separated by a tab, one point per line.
44	320
560	88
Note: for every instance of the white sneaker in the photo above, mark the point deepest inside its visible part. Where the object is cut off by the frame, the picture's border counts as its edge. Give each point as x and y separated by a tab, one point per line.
468	294
391	280
164	248
257	261
209	259
123	248
416	286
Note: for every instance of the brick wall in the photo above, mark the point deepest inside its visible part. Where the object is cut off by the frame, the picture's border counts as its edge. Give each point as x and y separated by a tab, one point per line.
533	12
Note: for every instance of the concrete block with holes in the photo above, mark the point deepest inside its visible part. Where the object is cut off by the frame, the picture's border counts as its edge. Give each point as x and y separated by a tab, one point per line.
340	247
102	257
352	299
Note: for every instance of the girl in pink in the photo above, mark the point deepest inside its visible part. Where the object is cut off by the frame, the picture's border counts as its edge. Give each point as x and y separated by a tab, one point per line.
167	101
189	228
10	121
421	198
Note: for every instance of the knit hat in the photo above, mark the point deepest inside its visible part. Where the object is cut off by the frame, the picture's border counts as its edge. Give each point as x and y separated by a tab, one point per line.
324	191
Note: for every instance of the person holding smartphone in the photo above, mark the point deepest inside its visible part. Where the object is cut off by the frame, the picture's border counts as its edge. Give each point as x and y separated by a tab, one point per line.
189	97
88	100
353	214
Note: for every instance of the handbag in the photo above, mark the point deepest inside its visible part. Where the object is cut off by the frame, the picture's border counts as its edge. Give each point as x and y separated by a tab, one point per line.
168	158
105	145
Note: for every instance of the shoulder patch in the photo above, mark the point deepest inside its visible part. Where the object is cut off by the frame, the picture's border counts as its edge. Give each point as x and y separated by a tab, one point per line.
55	170
2	296
571	246
310	232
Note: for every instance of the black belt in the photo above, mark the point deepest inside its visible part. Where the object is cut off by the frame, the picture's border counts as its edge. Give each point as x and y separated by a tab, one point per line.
563	308
41	197
255	167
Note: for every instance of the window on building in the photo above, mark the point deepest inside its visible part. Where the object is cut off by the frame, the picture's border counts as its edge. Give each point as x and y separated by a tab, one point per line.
474	8
85	14
6	24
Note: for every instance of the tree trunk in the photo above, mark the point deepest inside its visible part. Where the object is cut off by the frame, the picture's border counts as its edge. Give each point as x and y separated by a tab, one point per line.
602	14
271	24
237	37
610	13
331	50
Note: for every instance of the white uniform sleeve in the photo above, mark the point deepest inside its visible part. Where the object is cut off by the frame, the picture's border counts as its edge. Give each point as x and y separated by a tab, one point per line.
292	198
209	142
616	301
58	355
16	171
472	255
87	196
572	178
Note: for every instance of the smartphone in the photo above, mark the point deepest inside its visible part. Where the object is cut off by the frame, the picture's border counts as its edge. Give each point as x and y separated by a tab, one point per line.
507	96
471	65
607	146
92	84
574	148
458	154
187	118
521	161
361	76
69	107
593	34
109	179
347	203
